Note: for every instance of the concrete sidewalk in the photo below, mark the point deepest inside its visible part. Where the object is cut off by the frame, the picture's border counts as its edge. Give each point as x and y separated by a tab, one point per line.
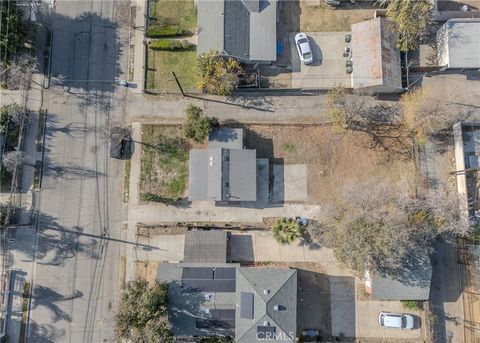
137	59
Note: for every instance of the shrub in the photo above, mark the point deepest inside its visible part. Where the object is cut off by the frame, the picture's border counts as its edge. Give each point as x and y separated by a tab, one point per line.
412	305
165	31
197	126
5	178
286	230
151	197
170	44
142	313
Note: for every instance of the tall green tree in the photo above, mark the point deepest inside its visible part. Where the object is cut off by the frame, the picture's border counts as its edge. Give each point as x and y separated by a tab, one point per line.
13	33
197	126
410	19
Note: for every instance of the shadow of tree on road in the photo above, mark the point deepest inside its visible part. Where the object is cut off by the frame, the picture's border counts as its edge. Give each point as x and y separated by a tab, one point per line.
44	333
43	296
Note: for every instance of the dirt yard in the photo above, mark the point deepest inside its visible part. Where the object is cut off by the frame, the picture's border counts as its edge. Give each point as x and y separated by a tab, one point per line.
146	270
164	169
334	160
322	17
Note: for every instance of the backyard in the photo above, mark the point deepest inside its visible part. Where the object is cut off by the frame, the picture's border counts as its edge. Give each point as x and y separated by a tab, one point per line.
164	169
334	160
161	63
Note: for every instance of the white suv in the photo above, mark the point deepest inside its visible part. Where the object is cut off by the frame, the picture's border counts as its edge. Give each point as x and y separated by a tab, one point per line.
395	320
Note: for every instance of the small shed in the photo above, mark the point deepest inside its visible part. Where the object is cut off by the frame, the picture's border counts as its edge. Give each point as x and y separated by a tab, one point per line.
376	58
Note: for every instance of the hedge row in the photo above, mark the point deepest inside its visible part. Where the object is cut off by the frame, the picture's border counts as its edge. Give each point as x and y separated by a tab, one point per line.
165	31
151	197
167	44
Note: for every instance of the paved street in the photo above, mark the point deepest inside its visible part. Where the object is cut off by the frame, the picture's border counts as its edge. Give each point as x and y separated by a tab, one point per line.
75	284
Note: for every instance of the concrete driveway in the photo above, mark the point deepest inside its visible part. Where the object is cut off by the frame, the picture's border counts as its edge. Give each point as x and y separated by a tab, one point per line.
367	322
328	66
259	245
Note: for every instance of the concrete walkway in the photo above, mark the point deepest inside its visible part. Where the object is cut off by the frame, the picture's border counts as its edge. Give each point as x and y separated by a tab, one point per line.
137	59
251	109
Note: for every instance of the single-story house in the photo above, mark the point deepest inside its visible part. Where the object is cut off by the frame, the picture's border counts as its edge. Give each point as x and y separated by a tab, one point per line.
244	29
411	282
225	172
458	44
376	58
223	299
466	137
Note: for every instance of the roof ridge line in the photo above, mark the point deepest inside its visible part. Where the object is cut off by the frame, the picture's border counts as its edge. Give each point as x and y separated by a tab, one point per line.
294	271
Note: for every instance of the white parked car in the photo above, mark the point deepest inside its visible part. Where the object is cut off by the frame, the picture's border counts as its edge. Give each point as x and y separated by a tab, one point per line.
303	48
395	320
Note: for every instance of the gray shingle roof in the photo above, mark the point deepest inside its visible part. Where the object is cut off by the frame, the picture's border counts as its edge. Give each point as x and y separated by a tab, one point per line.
205	247
236	29
222	175
271	287
245	29
187	305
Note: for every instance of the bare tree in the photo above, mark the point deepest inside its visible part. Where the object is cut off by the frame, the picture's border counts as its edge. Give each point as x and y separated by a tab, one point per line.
123	13
377	223
19	115
115	129
12	160
351	111
431	109
19	72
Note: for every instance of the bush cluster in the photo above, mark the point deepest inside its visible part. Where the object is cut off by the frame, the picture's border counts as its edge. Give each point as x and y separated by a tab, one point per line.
170	44
165	31
151	197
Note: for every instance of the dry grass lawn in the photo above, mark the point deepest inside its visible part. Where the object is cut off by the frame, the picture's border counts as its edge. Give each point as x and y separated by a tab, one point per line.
334	160
147	270
164	169
326	18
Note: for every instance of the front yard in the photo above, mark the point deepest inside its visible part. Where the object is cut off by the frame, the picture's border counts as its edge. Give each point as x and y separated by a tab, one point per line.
160	65
164	168
174	12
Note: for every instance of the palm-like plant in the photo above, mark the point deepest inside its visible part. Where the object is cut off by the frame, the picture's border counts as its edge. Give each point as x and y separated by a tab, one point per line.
286	230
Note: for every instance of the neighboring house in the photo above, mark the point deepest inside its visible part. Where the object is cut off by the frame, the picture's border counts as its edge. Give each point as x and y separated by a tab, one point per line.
458	44
245	29
376	59
223	299
467	160
411	282
225	172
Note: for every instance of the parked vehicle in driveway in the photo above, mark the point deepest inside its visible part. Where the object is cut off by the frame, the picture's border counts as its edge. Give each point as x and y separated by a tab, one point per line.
303	48
396	320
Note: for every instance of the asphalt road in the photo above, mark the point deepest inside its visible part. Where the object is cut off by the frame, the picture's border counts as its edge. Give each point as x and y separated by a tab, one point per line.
75	285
